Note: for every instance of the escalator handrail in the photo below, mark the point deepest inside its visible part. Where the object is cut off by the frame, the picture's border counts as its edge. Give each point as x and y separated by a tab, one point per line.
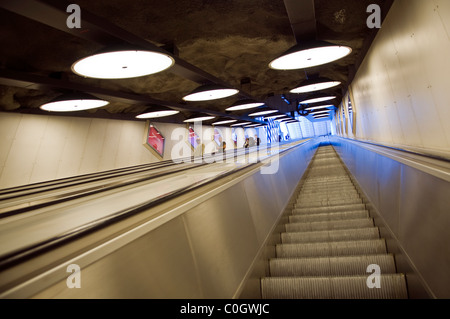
16	257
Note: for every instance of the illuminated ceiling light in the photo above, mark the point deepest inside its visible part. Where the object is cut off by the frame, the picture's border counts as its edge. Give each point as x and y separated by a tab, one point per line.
224	122
312	85
273	116
318	99
310	108
241	124
252	125
199	118
210	92
309	54
157	111
244	105
321	112
321	116
73	102
122	64
263	113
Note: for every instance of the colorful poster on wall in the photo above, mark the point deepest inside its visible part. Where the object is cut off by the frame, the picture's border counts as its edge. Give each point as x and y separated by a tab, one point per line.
218	137
155	140
193	137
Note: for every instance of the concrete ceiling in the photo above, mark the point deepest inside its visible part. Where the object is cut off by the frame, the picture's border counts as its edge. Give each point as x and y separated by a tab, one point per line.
230	41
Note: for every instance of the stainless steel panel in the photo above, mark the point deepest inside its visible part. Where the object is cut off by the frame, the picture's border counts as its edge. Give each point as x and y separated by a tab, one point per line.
424	227
410	204
224	241
157	265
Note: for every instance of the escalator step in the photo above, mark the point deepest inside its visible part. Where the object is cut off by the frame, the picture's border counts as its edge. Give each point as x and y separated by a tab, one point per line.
393	286
330	266
342	248
357	214
332	235
328	203
310	210
329	225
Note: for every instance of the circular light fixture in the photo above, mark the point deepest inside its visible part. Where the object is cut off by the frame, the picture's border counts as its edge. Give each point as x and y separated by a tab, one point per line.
224	122
321	113
318	99
199	118
309	54
157	111
241	124
73	102
313	85
310	108
274	116
210	92
263	113
122	64
244	105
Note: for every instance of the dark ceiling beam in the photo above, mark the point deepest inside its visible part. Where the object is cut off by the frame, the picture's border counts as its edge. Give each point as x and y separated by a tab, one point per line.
38	82
99	30
302	17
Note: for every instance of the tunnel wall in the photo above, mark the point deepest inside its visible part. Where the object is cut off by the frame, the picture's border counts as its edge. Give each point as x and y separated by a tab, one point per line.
36	148
410	204
400	92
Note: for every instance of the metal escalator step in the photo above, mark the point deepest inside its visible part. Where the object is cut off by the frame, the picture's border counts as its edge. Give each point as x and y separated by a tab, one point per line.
330	266
331	235
357	214
393	286
337	208
329	225
326	195
329	249
326	202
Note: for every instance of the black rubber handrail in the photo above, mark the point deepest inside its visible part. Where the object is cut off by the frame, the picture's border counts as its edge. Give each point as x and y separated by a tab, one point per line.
95	191
426	155
78	180
16	257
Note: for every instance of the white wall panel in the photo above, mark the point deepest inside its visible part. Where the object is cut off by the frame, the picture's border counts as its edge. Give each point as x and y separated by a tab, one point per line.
50	151
23	153
91	156
401	89
9	124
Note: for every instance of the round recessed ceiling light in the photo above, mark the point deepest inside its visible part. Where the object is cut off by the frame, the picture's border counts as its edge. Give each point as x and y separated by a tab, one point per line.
199	118
224	122
156	114
241	123
244	105
263	113
73	102
209	92
318	99
314	85
310	108
122	64
309	54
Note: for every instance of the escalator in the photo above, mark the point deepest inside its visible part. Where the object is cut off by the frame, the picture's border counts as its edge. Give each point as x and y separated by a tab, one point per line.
330	248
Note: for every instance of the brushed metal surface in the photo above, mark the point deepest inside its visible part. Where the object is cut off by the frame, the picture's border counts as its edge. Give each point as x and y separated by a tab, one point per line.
411	206
157	265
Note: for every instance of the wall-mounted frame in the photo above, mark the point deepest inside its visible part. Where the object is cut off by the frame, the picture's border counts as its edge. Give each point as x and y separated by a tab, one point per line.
154	140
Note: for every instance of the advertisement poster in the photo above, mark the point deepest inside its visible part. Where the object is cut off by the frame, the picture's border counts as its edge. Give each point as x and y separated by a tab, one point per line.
155	140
